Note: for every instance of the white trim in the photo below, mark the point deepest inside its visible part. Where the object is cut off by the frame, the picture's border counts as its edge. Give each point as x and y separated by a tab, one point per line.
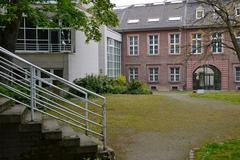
196	39
133	45
217	43
200	10
175	44
154	44
154	74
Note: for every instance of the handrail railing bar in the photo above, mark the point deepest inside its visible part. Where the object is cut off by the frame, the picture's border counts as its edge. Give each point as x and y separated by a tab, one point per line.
14	81
71	103
9	77
22	70
23	78
67	110
16	91
13	64
93	132
50	84
80	89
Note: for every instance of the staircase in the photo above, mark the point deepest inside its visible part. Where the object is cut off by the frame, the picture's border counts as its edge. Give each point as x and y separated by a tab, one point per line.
42	120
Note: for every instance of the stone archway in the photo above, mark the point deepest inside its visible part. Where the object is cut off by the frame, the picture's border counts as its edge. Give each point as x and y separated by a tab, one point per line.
207	77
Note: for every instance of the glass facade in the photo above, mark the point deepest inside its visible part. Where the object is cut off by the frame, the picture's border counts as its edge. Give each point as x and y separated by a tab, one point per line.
113	58
36	39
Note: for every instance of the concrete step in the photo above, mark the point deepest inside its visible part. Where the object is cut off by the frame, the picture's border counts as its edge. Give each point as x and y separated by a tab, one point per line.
87	145
51	129
29	125
5	104
14	114
69	137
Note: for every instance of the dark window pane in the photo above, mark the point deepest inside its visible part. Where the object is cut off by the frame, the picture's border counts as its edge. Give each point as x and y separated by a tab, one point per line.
30	33
43	34
20	34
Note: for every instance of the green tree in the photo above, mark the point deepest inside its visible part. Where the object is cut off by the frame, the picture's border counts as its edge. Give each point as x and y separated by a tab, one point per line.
58	13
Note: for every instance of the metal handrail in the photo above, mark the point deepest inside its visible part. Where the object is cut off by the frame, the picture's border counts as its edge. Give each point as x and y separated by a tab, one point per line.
19	76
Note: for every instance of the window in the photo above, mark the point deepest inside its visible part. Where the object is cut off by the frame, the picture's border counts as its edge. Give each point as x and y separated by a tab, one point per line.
174	18
153	19
153	74
217	43
153	44
174	43
238	38
237	74
113	58
133	45
36	39
133	21
197	43
133	74
175	74
199	13
238	11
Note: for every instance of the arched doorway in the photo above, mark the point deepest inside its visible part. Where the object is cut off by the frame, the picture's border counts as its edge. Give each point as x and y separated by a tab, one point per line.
207	77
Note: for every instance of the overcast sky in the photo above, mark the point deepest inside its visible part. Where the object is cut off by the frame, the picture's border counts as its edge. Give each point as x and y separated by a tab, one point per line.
129	2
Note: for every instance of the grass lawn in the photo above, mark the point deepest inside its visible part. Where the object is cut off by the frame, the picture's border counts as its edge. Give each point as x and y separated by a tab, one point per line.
128	115
233	97
229	150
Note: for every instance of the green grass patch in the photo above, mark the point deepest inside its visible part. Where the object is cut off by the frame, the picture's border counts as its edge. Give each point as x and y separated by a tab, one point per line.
233	97
229	150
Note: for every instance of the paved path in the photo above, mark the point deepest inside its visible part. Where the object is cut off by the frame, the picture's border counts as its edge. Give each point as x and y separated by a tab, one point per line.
221	121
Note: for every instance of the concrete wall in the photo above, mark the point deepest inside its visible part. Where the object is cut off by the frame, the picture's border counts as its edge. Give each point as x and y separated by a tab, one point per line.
85	59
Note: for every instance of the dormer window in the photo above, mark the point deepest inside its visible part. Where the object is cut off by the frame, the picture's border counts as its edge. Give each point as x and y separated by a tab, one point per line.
238	11
133	21
199	13
153	19
174	18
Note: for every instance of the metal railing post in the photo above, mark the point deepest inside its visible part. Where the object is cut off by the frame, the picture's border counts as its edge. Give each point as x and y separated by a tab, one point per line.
32	91
104	124
86	113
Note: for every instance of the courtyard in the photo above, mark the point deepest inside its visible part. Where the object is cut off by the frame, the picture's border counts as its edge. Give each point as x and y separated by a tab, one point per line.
165	126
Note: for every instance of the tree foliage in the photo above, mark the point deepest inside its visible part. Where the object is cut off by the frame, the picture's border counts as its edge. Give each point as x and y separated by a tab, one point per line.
55	13
223	14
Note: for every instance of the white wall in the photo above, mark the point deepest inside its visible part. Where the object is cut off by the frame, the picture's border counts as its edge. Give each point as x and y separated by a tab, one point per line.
85	59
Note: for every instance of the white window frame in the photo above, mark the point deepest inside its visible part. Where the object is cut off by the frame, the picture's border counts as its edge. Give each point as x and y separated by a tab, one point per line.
155	52
237	77
217	43
174	74
134	74
133	45
197	39
174	44
154	74
238	37
200	10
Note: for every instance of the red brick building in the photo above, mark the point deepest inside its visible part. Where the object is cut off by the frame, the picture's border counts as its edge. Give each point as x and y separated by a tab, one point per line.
166	46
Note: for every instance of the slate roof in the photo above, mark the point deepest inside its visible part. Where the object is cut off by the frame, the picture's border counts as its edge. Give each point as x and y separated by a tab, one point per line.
185	9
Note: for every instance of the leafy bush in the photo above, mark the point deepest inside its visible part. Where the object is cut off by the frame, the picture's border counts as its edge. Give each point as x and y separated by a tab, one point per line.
103	84
136	87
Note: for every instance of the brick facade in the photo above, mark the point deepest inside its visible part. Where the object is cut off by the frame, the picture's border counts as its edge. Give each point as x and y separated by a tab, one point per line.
225	62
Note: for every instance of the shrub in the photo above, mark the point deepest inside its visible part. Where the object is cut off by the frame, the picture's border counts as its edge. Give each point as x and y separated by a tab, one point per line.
136	87
103	84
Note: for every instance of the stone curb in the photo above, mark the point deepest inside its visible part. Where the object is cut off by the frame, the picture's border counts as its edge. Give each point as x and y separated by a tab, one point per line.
192	153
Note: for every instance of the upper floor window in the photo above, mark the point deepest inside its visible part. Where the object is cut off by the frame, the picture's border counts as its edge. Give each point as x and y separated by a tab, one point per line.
217	43
238	38
174	74
238	11
197	43
153	74
174	43
153	45
133	74
199	13
133	45
237	74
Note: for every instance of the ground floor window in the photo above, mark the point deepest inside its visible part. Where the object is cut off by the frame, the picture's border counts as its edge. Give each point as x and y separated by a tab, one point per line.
207	77
237	69
153	74
133	74
174	74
